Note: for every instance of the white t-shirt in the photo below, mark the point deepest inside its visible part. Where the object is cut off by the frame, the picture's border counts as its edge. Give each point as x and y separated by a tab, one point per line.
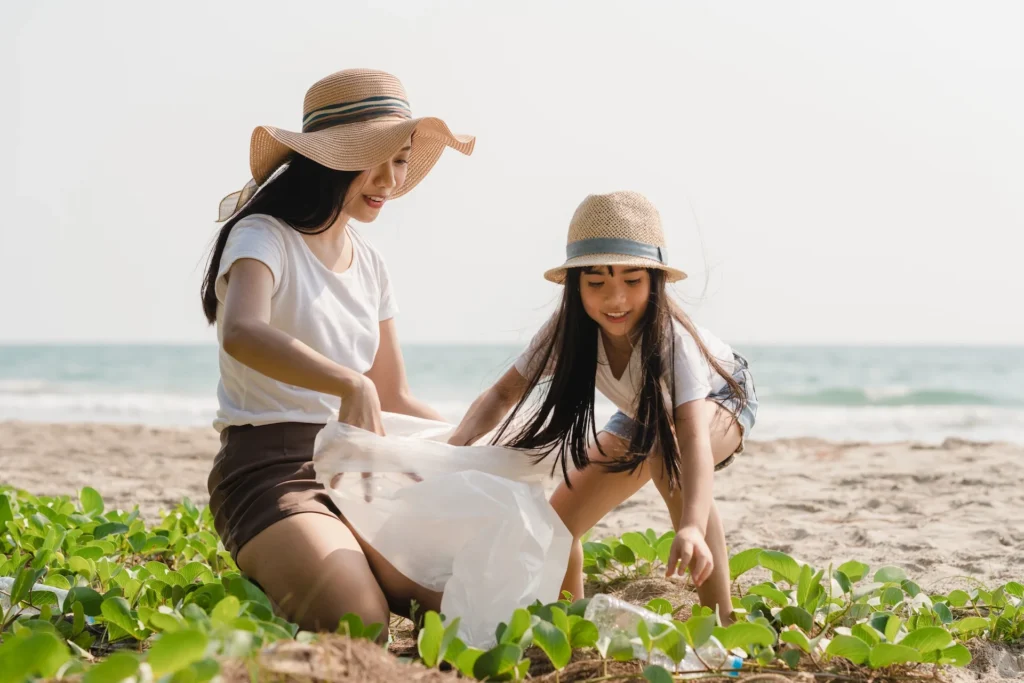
694	377
336	314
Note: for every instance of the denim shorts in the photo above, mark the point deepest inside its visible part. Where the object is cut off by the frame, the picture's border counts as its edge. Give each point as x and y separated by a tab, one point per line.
622	425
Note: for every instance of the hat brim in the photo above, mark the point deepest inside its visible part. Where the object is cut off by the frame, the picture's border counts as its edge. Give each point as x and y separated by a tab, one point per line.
358	146
557	275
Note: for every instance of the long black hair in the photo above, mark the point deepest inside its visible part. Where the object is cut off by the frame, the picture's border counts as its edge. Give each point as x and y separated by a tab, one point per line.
306	195
565	361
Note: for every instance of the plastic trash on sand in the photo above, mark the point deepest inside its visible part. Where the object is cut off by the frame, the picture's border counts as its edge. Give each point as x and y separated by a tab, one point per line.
471	521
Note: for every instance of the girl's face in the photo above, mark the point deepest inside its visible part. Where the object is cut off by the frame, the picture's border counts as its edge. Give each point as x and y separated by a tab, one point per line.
373	187
615	297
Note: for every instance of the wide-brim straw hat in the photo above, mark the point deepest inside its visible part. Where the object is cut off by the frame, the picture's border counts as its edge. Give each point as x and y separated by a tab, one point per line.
352	120
616	229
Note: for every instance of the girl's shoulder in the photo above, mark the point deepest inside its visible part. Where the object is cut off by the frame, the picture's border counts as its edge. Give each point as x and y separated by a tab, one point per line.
688	349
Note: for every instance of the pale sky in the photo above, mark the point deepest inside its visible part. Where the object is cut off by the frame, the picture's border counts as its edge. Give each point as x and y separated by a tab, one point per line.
827	172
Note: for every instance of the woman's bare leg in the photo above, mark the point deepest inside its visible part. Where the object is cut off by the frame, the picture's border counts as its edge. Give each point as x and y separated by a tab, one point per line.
312	567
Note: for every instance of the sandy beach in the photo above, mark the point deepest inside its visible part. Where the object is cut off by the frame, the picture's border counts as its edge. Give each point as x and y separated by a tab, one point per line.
941	512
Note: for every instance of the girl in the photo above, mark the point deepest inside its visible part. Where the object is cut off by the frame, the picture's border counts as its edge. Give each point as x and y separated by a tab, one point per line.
305	319
686	400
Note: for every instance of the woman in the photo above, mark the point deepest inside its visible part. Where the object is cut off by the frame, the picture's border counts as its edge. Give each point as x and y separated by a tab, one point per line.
305	320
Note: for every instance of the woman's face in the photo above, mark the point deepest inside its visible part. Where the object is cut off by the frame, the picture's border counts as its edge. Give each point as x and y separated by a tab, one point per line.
615	297
373	187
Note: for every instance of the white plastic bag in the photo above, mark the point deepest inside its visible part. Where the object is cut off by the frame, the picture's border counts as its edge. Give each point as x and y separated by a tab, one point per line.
470	521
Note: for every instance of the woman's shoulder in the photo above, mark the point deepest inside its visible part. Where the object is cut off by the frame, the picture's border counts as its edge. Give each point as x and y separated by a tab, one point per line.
367	250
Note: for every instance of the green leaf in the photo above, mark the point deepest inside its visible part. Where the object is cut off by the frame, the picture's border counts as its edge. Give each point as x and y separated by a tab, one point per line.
887	654
350	625
958	655
770	591
553	642
640	546
92	501
663	548
467	659
41	653
117	611
82	566
797	615
560	619
78	620
928	639
23	584
943	613
644	635
849	647
6	513
959	598
175	651
843	580
624	555
782	564
700	629
1015	589
890	575
517	627
620	649
39	599
196	570
660	606
866	633
90	599
497	661
892	596
791	658
226	610
579	608
109	529
243	589
451	634
854	570
154	543
583	634
742	562
113	669
429	640
657	674
796	638
745	635
970	625
892	628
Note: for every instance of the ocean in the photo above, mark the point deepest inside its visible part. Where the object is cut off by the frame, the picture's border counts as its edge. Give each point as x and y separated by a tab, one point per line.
876	394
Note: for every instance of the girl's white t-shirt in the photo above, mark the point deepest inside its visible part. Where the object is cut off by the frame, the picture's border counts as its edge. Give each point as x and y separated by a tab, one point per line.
694	377
336	314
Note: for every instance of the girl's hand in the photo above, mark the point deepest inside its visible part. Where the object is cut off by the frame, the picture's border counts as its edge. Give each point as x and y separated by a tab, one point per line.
361	407
690	550
463	436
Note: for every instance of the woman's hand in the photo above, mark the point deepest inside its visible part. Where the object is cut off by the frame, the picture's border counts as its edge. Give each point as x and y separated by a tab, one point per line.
690	550
360	406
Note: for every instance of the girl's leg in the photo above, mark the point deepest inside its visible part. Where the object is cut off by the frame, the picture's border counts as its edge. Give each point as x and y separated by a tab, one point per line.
595	492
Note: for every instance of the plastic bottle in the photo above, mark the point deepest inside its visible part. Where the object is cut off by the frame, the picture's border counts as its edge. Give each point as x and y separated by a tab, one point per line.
614	617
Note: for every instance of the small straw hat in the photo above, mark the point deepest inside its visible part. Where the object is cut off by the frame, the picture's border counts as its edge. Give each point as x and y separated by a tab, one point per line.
617	229
352	120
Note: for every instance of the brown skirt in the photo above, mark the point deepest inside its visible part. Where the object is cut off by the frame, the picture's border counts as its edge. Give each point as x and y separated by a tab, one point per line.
261	475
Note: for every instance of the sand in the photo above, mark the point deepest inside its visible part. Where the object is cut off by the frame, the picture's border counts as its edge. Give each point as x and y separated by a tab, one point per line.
940	512
943	513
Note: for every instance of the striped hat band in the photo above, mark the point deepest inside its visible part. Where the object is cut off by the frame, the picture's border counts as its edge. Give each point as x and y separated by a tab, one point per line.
353	112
